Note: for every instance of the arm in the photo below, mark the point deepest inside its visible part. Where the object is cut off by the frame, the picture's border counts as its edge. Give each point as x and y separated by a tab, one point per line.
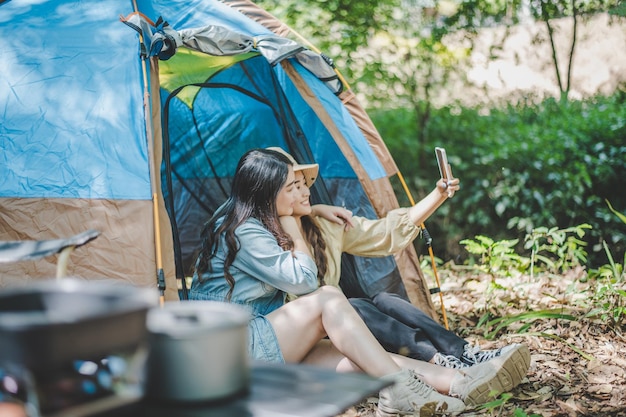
427	206
339	215
260	257
395	231
418	213
374	237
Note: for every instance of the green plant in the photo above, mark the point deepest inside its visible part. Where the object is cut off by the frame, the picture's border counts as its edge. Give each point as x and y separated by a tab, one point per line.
521	166
559	249
528	317
609	295
496	257
617	213
496	406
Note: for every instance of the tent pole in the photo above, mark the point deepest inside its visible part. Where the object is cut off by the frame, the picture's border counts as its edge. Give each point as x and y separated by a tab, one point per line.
150	138
429	241
157	241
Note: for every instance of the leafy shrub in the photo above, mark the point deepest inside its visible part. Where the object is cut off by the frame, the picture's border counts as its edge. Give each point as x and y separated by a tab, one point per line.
609	297
559	250
551	164
496	258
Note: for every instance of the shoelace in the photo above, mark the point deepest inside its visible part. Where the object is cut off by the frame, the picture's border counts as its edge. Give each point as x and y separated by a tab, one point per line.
474	354
449	361
417	385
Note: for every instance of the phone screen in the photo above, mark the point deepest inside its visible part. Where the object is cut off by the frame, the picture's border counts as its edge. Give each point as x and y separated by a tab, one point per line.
442	162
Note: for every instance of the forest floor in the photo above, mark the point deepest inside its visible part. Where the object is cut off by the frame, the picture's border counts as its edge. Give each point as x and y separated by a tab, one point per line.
578	360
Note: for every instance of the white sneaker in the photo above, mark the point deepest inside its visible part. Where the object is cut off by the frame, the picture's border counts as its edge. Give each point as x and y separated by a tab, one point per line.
412	396
449	361
483	382
473	355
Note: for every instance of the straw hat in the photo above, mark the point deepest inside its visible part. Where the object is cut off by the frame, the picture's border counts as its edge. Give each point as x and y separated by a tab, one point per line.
310	171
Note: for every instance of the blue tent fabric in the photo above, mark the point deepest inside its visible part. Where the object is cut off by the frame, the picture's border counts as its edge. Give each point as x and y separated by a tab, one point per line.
86	123
65	133
332	163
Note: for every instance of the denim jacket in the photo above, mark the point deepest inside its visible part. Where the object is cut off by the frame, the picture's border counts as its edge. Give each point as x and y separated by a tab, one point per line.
262	270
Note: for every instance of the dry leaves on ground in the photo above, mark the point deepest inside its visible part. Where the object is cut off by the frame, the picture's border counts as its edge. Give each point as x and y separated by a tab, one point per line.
578	366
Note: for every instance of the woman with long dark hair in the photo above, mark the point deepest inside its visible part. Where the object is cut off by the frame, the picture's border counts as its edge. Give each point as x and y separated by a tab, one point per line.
254	254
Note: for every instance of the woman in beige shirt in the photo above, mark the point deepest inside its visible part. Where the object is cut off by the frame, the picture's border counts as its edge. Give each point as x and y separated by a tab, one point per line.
398	325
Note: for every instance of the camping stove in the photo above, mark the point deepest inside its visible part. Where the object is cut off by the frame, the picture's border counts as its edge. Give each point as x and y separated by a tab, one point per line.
69	347
72	390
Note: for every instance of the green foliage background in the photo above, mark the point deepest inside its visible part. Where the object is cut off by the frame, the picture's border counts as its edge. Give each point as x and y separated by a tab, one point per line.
553	164
528	165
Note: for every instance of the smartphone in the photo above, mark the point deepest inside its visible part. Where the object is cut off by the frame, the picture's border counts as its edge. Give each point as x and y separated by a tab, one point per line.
444	167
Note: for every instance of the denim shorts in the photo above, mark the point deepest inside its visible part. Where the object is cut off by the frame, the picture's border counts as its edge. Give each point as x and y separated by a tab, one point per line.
262	341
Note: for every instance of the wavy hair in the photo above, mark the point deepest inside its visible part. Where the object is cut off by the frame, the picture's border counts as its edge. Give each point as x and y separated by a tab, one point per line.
313	235
259	177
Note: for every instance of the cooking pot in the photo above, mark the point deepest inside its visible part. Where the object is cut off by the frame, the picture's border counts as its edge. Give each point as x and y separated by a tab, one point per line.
197	351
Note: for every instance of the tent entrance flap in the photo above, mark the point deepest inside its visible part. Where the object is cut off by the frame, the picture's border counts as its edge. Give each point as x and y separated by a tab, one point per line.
239	107
242	104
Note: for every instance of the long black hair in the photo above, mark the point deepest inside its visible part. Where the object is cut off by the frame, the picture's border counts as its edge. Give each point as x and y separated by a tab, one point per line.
315	238
259	177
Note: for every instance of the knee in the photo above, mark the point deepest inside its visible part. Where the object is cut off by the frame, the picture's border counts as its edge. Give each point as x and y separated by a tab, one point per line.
385	297
329	295
332	292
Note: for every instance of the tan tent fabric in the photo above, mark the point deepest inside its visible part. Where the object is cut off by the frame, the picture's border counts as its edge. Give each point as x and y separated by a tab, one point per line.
124	250
369	131
261	16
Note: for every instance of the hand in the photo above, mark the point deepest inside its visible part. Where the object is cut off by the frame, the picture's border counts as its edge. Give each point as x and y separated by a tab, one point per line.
339	215
448	187
290	226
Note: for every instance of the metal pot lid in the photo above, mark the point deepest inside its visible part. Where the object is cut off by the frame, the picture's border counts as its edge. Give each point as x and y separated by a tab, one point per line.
194	318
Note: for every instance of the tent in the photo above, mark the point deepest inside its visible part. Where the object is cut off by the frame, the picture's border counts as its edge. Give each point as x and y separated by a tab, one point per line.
129	117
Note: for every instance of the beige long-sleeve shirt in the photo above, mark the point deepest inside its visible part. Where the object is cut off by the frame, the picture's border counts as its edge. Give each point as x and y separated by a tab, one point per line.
368	238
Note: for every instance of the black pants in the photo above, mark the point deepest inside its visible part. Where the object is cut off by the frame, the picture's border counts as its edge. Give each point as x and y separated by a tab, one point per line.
400	327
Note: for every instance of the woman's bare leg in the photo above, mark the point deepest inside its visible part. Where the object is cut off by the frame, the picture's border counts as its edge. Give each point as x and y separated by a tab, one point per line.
303	322
326	355
434	375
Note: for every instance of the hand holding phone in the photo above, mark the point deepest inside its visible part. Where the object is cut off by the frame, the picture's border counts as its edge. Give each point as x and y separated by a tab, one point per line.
444	167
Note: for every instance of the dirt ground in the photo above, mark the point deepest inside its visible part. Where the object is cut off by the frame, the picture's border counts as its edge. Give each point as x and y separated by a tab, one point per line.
578	365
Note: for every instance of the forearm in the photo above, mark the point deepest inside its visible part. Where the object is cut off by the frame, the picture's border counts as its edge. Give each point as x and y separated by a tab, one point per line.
424	208
291	228
427	206
299	244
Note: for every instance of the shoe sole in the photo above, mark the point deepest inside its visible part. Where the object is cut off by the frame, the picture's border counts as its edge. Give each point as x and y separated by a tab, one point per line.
510	374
